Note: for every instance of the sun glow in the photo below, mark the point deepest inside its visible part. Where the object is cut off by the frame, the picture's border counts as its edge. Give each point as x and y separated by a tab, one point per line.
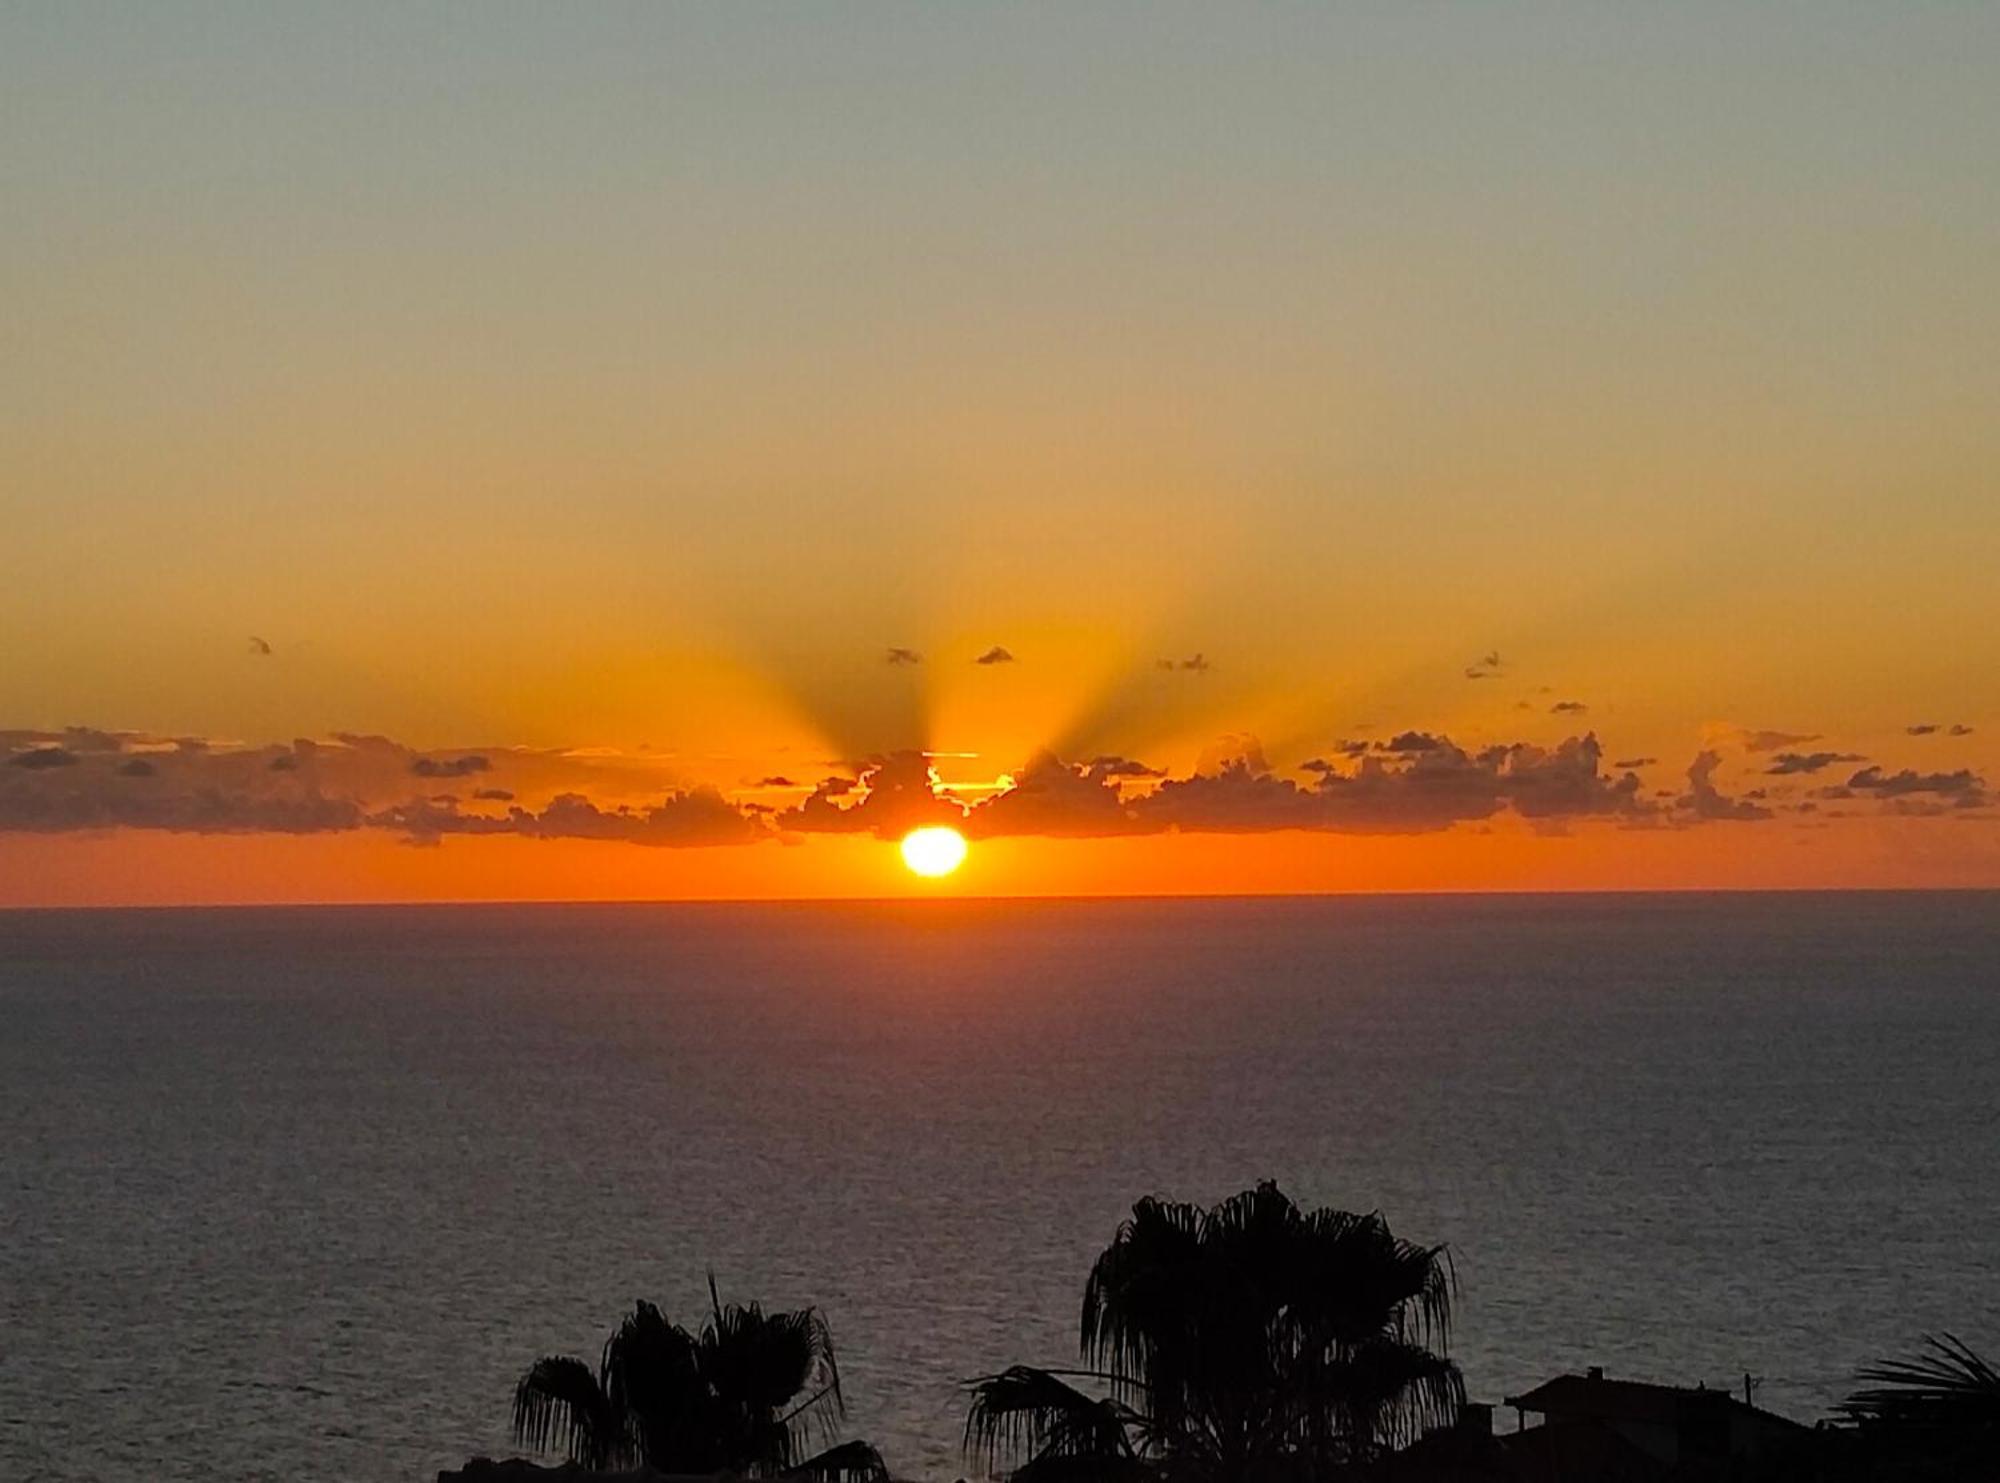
934	850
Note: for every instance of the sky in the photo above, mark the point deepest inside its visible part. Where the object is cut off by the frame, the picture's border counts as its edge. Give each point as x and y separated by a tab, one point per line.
1356	439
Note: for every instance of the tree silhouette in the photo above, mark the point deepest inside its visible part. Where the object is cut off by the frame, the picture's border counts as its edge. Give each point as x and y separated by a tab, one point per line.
746	1395
1253	1341
1935	1414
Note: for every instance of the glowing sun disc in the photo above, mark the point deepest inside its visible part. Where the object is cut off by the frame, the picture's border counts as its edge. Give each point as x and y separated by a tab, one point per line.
936	849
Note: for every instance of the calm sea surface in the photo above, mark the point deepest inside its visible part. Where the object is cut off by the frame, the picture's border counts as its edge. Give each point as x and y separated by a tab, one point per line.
298	1194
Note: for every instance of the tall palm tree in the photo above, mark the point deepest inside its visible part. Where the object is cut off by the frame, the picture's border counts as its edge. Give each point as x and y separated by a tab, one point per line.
1251	1341
747	1395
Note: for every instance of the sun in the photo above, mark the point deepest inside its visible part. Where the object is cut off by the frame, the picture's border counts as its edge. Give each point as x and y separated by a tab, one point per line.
936	849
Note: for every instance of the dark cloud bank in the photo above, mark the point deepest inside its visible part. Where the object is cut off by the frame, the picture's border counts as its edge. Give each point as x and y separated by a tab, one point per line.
1412	782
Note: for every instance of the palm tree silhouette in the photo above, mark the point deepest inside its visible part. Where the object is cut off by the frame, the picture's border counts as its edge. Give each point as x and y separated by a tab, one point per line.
746	1395
1934	1414
1250	1342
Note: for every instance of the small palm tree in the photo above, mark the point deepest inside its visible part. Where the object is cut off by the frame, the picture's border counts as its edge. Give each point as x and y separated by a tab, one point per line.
1944	1390
748	1395
1252	1341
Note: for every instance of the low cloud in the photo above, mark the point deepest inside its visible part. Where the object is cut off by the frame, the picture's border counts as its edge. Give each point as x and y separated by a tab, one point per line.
697	817
1412	782
1704	800
1102	769
995	655
902	656
897	793
39	758
1411	741
1963	788
1568	708
1789	764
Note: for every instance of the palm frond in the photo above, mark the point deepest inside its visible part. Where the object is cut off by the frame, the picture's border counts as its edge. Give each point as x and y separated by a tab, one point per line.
1387	1393
849	1462
1944	1387
560	1401
1033	1414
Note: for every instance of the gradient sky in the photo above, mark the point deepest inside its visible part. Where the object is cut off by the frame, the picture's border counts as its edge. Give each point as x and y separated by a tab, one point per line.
621	383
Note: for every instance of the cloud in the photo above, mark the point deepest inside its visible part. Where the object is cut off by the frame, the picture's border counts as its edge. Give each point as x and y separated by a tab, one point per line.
1050	797
1965	788
897	794
1704	800
132	780
40	758
1961	729
453	767
1631	762
1488	666
694	818
1568	708
995	655
1413	782
1925	728
1110	768
1770	741
1411	741
1416	783
1786	764
903	656
259	646
1194	663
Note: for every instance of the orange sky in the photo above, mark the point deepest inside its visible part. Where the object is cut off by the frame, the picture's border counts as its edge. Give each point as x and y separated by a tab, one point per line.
606	394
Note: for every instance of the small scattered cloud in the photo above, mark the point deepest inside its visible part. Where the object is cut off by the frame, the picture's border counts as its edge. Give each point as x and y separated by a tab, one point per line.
1488	666
1922	728
1568	708
902	656
1635	762
1772	741
493	795
451	767
259	646
1194	664
1961	729
995	655
1788	764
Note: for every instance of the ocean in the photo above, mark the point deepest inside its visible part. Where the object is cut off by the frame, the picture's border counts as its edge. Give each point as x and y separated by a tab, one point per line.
298	1194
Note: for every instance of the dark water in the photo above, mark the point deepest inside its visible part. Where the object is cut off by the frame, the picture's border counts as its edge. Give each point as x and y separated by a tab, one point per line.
297	1194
